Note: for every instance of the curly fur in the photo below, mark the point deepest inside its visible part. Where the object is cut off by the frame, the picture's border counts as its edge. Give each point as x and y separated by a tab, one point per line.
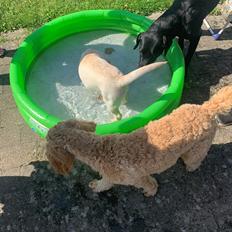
130	159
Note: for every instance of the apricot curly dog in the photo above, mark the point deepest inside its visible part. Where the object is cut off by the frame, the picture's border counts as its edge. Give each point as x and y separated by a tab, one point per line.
130	159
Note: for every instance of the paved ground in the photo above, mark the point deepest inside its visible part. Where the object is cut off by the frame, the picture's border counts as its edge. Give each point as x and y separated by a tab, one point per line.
32	198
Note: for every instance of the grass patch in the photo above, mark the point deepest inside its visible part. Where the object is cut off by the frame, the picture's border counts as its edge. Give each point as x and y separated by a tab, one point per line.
2	39
34	13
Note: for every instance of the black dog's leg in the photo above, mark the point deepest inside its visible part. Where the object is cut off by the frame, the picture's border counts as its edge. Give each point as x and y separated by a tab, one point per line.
167	44
181	43
191	49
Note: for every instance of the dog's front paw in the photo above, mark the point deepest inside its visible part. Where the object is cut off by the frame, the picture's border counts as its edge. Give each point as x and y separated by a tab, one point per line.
100	185
151	192
193	167
94	185
151	187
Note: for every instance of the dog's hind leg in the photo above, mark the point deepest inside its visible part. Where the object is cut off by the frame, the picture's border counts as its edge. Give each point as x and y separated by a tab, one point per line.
191	49
124	99
112	108
100	185
99	97
115	111
148	184
196	154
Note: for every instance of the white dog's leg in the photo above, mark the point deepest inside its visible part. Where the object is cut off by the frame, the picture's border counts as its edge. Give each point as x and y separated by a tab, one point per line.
99	97
117	116
100	185
114	110
148	184
124	100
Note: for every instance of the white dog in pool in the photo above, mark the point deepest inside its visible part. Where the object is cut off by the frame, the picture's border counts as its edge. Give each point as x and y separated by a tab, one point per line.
97	73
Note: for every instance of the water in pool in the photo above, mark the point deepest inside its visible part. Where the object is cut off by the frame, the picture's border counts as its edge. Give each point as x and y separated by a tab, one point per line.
53	82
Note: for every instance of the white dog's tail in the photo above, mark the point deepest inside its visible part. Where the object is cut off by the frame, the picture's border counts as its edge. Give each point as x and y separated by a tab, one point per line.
221	102
132	76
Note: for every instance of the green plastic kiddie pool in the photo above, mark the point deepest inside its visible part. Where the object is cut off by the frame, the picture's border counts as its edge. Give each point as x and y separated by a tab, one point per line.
121	21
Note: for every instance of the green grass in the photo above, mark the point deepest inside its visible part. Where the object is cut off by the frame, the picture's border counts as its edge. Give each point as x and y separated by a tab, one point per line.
16	14
2	39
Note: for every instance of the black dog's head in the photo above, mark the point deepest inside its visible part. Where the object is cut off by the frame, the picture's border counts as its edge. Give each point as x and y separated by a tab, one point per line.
151	45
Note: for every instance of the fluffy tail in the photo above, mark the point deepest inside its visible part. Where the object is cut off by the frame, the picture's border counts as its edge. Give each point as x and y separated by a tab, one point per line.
132	76
221	102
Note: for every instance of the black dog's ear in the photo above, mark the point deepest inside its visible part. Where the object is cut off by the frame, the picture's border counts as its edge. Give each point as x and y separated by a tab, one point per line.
138	39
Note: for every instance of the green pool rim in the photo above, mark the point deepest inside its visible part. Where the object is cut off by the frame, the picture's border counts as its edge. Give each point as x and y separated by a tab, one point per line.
118	20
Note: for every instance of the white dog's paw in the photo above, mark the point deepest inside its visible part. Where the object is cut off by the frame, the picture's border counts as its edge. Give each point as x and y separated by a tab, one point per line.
117	117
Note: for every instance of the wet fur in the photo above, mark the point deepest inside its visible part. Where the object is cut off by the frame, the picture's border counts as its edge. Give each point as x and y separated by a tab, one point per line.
97	73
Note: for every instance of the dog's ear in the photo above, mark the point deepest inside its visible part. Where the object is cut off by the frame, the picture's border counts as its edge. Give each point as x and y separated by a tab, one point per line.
138	40
60	159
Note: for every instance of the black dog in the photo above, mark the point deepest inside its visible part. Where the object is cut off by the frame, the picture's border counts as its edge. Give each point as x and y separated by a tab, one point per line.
183	19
